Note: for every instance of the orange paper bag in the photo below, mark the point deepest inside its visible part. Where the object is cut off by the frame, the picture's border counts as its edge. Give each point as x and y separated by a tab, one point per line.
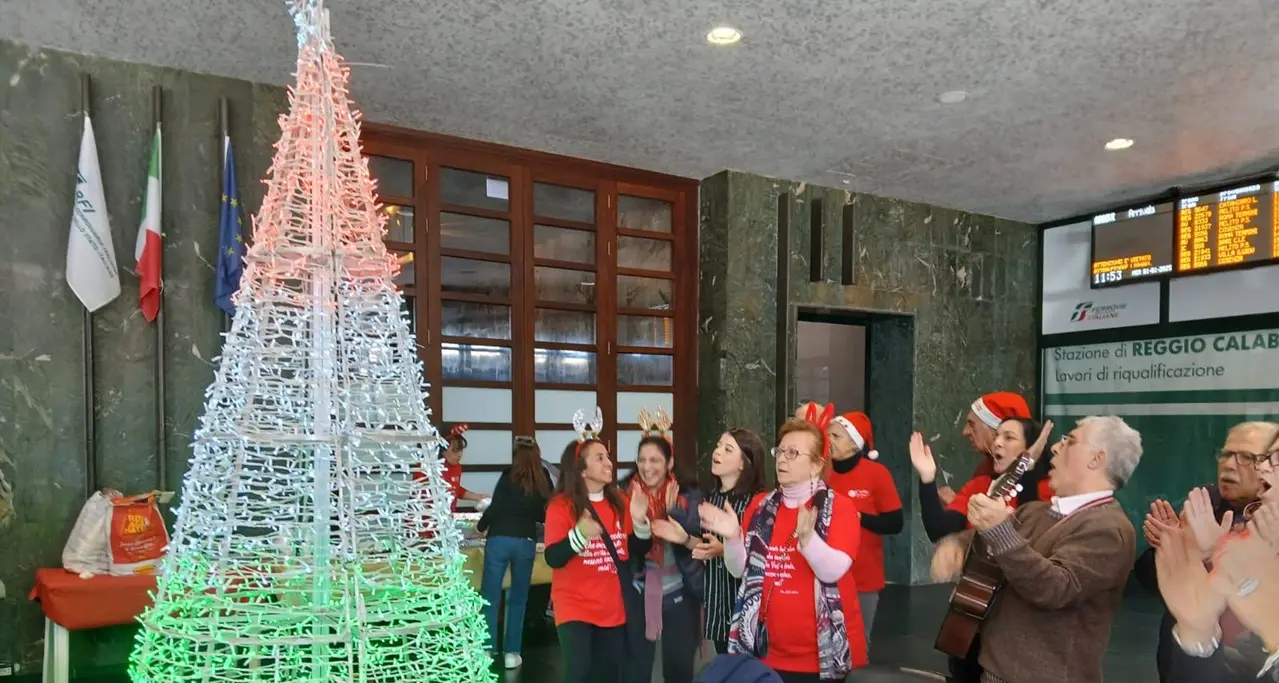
137	538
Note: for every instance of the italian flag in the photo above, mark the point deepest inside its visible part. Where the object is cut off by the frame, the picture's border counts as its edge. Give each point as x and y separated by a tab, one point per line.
148	249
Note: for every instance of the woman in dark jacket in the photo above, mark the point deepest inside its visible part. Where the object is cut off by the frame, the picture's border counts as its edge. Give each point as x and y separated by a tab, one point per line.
670	579
519	503
737	475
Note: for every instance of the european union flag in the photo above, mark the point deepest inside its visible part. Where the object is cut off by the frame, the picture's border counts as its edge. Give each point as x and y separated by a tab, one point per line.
230	238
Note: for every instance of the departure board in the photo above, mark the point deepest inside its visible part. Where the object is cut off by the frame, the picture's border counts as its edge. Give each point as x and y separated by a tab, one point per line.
1132	245
1234	228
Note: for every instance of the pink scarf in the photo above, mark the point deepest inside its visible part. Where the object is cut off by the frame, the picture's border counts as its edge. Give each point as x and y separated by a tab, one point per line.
653	599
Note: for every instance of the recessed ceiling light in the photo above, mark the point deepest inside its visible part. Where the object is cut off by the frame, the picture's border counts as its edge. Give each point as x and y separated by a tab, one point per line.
952	97
1119	143
723	35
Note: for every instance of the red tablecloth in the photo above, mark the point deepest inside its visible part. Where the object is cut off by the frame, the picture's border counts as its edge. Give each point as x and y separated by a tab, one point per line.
78	604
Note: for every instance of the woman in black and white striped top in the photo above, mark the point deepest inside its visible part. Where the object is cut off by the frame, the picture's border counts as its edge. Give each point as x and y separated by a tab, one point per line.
737	474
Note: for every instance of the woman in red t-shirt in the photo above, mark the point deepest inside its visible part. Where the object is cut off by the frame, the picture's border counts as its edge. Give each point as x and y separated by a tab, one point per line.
797	609
857	473
586	590
452	470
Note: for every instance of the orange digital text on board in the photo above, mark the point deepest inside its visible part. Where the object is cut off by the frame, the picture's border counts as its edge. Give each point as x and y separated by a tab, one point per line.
1274	220
1236	226
1194	226
1124	263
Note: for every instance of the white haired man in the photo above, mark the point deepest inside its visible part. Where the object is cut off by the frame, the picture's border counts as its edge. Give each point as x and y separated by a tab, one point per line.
1240	461
1065	561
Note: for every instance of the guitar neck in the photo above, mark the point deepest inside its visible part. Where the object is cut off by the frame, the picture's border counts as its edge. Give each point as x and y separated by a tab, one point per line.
1007	482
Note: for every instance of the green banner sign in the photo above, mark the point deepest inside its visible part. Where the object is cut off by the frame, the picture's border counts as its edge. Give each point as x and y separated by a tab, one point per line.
1182	393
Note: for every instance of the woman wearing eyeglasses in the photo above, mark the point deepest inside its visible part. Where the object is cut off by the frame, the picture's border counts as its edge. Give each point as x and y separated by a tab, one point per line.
519	503
797	610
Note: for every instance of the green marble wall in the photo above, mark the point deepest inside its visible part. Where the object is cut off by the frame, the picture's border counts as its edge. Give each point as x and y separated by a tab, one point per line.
41	392
955	295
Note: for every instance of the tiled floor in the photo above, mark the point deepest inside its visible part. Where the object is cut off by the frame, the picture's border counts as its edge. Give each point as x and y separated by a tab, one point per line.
905	626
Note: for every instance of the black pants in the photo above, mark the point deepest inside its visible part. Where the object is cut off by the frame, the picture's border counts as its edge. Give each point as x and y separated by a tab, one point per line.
721	646
1163	653
592	654
681	634
967	670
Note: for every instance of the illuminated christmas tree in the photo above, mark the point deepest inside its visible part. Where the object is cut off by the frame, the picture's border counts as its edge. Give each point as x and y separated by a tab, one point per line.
305	549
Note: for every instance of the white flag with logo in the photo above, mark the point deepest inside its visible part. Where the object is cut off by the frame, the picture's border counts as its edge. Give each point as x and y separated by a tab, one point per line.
91	266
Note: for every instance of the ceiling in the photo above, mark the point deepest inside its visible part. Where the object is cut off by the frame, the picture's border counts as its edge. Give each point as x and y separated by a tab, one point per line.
837	93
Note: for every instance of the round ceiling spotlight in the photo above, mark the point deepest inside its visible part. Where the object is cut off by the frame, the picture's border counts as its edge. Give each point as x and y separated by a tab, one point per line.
723	35
952	97
1118	143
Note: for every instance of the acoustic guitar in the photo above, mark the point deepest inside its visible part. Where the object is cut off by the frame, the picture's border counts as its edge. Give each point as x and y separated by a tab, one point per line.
981	578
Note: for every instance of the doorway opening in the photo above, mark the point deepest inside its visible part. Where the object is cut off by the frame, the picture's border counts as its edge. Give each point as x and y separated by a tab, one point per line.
830	363
862	360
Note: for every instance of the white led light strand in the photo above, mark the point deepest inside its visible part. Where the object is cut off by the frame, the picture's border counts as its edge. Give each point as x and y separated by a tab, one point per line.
306	549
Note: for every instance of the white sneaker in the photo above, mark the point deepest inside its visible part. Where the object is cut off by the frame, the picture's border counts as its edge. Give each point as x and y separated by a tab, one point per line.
513	661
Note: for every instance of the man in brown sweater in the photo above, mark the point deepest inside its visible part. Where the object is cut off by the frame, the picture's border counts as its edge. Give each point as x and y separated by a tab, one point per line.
1065	561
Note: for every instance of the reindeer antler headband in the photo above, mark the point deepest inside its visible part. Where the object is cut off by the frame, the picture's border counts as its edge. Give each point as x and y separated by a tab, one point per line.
656	423
587	431
822	420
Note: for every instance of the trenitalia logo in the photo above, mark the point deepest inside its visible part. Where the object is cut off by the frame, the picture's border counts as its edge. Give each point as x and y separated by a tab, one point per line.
1085	310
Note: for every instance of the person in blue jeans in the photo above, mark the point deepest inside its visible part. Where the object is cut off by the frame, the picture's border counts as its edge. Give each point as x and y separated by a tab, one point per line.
510	523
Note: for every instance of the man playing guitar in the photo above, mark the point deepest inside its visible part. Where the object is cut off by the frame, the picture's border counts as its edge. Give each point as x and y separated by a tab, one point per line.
1065	561
1000	444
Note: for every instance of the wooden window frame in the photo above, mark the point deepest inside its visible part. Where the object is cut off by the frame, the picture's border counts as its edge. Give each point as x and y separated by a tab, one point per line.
431	152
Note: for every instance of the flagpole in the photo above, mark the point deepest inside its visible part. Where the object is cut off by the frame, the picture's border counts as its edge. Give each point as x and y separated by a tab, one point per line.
161	413
224	124
90	447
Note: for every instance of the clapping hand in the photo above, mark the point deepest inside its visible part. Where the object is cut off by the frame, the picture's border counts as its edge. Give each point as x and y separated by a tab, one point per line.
805	523
1265	524
669	531
639	506
1203	523
921	457
1160	517
1183	583
672	495
722	521
1037	449
1244	571
588	527
708	548
948	559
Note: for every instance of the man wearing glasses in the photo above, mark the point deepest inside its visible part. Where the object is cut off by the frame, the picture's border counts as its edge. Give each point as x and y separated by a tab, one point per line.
1239	484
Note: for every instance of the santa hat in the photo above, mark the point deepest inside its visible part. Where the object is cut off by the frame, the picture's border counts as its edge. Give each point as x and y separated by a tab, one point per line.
994	408
858	426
